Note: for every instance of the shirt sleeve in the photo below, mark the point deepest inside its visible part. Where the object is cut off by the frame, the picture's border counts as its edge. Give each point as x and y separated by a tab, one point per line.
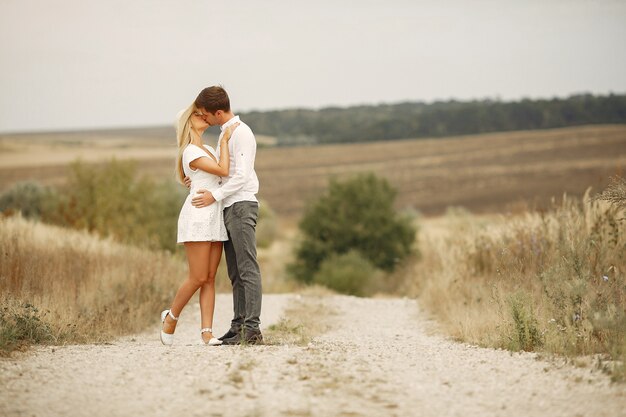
243	152
190	154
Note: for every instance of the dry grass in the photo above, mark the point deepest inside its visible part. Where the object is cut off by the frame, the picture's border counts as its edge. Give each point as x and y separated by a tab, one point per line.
80	287
615	193
61	286
549	281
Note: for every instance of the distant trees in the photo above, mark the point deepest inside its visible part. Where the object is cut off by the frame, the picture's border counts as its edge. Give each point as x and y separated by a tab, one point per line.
443	118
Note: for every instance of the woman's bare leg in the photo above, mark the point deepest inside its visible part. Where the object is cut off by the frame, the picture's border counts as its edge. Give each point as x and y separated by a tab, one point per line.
207	290
197	258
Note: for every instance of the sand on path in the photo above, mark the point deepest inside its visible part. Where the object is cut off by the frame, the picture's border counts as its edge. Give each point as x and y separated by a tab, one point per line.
377	359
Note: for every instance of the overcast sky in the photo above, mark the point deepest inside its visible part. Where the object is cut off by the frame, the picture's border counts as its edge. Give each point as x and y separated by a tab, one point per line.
71	64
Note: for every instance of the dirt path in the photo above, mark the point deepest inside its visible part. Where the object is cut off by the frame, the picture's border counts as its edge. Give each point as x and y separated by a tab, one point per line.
377	359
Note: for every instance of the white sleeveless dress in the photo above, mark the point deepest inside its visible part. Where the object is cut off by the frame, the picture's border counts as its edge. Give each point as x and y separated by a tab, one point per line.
204	224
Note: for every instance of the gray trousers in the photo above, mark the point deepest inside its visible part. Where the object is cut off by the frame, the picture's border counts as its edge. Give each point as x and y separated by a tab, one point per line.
243	269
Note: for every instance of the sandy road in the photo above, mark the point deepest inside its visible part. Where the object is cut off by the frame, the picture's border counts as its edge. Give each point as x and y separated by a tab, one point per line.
377	359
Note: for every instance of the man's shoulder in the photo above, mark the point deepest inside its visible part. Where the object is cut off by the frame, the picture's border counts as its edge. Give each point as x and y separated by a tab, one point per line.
244	125
244	129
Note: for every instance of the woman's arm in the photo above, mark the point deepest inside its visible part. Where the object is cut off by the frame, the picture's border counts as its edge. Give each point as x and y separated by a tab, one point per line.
221	167
207	164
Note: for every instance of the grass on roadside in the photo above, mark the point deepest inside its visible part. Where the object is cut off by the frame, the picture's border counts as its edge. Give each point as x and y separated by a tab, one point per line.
551	281
61	286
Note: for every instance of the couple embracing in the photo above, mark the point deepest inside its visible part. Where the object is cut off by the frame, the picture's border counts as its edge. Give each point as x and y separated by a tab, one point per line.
220	211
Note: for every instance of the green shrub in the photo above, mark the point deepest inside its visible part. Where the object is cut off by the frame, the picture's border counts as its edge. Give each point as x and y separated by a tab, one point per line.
348	273
356	214
106	199
160	217
112	200
21	324
526	334
31	199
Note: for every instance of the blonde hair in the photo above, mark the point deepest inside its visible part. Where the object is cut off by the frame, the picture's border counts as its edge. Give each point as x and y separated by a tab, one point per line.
183	138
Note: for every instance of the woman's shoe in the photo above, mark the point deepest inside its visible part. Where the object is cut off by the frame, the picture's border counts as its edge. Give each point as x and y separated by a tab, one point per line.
213	341
167	338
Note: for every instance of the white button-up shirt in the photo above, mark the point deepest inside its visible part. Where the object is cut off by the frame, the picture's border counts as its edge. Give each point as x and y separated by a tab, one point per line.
241	184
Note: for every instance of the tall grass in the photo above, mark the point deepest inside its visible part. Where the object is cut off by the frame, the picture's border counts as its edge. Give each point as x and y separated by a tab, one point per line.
550	281
62	285
59	285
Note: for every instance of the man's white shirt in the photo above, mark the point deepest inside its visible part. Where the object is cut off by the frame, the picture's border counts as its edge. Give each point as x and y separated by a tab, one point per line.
241	184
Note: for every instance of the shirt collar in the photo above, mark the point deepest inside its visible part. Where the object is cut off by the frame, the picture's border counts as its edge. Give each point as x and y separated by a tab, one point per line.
232	121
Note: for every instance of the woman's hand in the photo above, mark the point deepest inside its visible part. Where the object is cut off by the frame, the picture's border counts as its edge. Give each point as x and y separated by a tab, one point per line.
228	132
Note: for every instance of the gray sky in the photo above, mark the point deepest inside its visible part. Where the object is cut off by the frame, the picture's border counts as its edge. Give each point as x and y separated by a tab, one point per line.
70	64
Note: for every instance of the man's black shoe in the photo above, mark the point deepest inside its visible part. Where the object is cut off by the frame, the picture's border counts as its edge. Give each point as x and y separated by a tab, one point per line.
253	337
249	337
234	340
228	335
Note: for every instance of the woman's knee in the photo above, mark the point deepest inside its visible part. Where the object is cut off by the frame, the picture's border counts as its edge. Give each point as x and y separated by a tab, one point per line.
210	278
198	278
204	279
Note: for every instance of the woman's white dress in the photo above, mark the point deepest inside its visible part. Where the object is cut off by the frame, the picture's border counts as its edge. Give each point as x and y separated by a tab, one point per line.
206	223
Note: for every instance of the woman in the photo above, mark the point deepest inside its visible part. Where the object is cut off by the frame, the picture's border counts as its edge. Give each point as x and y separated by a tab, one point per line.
201	230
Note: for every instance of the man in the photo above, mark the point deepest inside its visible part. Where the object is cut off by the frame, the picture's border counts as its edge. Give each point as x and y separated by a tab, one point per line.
241	209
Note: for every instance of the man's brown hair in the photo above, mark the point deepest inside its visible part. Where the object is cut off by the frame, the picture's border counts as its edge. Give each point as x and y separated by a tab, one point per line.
213	99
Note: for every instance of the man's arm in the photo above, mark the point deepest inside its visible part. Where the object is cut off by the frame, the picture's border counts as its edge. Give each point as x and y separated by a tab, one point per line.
244	152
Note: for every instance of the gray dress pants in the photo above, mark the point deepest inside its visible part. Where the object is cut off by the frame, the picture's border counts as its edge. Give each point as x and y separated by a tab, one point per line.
243	269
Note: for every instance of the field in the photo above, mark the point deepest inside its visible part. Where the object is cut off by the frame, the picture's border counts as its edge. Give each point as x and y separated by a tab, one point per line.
484	173
547	284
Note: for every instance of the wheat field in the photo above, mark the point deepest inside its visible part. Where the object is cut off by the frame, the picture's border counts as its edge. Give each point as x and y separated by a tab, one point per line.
494	172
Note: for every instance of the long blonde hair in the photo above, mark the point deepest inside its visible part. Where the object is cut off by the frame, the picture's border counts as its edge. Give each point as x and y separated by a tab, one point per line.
183	138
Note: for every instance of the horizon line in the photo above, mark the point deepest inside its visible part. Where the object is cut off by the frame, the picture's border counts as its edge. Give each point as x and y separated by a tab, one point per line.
496	99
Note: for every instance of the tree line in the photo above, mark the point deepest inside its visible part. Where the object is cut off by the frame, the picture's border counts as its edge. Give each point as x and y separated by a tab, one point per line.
409	120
